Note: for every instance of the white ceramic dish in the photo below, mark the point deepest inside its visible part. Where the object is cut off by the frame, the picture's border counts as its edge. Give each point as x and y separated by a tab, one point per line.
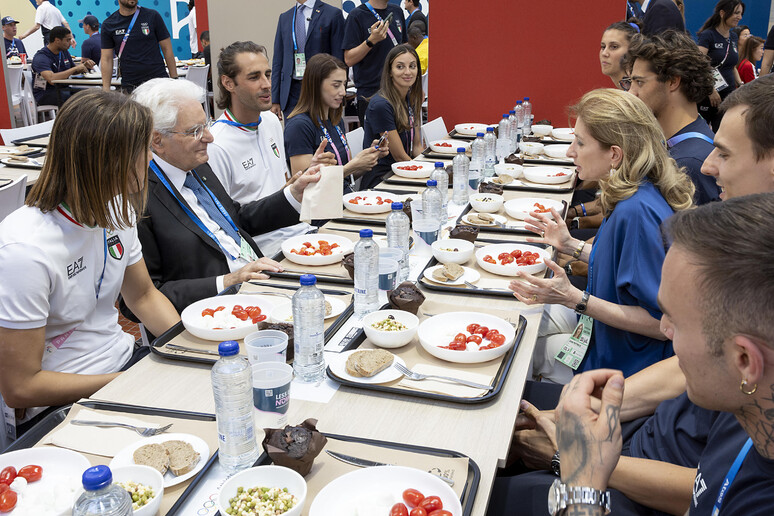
519	209
437	146
470	275
368	201
31	163
510	269
557	151
531	148
470	129
146	476
424	170
338	365
563	133
196	325
486	202
265	476
283	313
345	245
390	339
547	175
375	490
440	331
497	218
462	255
125	456
512	169
542	130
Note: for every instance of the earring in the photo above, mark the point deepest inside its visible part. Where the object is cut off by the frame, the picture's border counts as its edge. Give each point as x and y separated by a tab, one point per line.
744	384
612	170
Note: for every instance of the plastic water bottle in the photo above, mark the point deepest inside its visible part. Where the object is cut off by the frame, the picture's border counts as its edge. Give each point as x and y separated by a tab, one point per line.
101	497
490	156
441	178
432	203
514	130
503	145
232	386
308	331
476	162
366	274
527	125
398	227
461	166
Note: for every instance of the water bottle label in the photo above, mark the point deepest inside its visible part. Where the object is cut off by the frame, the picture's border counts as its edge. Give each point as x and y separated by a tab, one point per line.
360	291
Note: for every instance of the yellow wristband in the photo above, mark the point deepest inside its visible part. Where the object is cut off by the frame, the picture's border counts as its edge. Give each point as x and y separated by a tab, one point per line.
576	254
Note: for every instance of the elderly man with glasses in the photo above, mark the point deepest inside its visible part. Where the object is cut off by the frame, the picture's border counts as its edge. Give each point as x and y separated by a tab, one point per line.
195	239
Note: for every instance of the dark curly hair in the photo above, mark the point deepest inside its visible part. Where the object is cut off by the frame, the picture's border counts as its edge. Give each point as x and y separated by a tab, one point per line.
674	54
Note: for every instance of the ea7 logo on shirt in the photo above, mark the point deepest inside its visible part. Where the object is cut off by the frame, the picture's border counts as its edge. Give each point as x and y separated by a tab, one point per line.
75	268
115	247
719	45
248	164
699	486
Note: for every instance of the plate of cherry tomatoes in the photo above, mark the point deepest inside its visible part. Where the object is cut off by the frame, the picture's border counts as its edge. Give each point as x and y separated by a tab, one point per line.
449	146
386	490
466	337
519	209
413	169
316	249
371	201
508	259
222	318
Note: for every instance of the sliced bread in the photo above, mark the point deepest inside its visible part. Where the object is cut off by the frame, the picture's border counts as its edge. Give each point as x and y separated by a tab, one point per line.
182	456
369	362
153	455
453	271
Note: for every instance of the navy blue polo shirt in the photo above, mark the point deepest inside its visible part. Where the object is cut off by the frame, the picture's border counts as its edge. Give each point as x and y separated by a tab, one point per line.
45	60
716	46
14	47
141	59
302	136
691	153
92	48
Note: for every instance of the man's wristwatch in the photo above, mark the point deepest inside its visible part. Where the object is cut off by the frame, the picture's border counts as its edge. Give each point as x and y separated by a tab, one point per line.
560	496
580	308
368	43
556	465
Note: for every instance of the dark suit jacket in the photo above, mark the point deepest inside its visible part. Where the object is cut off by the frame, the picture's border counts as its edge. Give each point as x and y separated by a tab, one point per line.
662	15
417	15
182	260
325	35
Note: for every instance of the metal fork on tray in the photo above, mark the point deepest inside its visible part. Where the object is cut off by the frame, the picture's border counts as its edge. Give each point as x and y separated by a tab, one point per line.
411	375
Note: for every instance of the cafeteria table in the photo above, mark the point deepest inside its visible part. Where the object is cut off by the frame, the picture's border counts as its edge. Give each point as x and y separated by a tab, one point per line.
14	173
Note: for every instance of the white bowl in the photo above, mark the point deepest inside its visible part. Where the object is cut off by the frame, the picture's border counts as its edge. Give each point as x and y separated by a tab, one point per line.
147	476
519	209
442	147
556	151
265	476
195	324
390	339
542	130
547	175
465	250
563	133
510	269
368	201
440	330
482	206
345	245
532	148
512	169
424	170
470	129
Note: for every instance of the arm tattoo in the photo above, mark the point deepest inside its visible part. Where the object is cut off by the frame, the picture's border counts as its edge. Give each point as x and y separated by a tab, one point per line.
612	421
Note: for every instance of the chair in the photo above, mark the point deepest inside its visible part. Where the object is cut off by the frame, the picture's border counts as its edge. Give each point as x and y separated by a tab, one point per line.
355	142
424	84
9	135
12	196
33	110
198	76
435	130
15	79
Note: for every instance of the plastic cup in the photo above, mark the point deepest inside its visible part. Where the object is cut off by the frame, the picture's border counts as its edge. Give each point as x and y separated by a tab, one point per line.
388	273
23	58
271	393
266	346
425	232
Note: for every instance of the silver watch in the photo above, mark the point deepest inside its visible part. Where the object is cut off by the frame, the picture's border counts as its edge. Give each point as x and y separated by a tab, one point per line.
561	495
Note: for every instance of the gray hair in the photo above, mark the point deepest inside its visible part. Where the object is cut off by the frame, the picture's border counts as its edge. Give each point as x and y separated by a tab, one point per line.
163	96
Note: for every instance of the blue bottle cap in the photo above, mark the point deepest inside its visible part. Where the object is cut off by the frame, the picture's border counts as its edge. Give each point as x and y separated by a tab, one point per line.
490	129
228	348
397	206
526	99
480	135
460	149
96	478
512	112
432	182
366	233
518	102
505	115
311	279
439	164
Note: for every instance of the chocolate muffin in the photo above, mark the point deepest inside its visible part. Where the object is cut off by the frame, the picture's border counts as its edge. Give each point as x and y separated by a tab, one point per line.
469	233
406	297
349	263
514	159
492	188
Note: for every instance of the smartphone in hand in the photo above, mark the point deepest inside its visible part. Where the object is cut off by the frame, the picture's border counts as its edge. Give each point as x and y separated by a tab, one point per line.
381	141
389	18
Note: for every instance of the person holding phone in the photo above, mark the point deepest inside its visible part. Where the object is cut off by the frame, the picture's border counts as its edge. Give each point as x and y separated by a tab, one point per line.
318	117
396	109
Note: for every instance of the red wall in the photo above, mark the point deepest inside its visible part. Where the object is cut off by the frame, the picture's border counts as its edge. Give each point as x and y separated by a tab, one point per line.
486	55
5	115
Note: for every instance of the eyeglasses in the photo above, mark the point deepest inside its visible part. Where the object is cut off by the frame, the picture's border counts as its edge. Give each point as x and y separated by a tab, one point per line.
196	131
625	83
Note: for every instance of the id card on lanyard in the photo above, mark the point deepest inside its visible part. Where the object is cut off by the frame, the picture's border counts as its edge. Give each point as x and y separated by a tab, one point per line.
720	82
389	31
299	57
126	37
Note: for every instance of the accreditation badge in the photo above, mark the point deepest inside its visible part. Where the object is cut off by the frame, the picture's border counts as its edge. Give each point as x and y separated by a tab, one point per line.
246	252
571	354
720	82
299	65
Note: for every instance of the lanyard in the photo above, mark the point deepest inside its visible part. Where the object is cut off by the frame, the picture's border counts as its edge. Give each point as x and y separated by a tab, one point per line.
392	37
295	44
65	211
594	246
728	47
731	475
190	214
342	139
231	120
126	34
674	140
411	123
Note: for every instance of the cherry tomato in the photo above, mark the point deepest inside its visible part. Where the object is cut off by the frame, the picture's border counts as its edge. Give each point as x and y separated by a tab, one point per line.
506	259
440	513
218	309
412	497
482	330
31	473
241	315
253	311
431	503
237	308
418	511
491	333
208	311
398	510
498	340
475	338
8	501
516	253
258	318
502	255
4	488
472	327
7	475
489	259
461	337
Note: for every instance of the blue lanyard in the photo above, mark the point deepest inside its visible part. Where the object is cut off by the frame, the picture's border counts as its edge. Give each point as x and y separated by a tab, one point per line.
232	123
731	475
128	30
674	140
190	214
295	44
593	253
342	139
373	11
410	145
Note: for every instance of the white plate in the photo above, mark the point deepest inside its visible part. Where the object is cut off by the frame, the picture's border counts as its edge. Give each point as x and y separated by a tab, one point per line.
563	133
498	218
338	365
470	275
530	148
372	200
520	208
440	330
511	269
284	312
377	489
470	129
435	146
296	242
193	321
425	169
547	175
557	151
125	456
30	163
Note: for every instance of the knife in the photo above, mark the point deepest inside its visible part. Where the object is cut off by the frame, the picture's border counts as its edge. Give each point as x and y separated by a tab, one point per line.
191	350
364	463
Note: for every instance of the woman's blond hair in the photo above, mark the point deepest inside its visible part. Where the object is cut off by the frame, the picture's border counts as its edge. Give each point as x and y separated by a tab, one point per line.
96	144
615	117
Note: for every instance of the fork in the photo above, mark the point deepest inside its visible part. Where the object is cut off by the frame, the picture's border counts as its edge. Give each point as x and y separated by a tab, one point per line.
142	430
268	293
411	375
471	285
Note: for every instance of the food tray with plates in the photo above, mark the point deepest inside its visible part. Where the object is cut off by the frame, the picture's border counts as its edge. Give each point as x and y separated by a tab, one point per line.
363	207
509	215
430	153
436	325
197	425
34	160
38	140
327	268
534	178
178	343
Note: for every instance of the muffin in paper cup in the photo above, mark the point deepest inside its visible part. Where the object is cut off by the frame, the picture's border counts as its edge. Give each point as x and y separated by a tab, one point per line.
406	297
295	447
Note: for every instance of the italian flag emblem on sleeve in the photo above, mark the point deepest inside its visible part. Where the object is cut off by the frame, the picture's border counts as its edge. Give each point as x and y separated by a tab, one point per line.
115	247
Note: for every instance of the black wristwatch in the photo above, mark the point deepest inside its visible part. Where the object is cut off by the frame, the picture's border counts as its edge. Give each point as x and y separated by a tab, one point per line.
368	43
580	308
555	464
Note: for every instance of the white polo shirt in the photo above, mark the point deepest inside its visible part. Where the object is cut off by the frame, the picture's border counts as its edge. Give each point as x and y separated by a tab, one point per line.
48	16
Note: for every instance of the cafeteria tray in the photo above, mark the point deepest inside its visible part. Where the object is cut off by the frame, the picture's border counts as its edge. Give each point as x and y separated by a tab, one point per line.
510	230
381	218
542	188
51	421
39	140
177	329
38	165
547	161
544	140
391	178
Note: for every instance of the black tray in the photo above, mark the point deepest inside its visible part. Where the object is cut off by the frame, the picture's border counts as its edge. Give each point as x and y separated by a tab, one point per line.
540	188
26	139
376	222
499	378
498	229
552	162
454	135
177	329
431	154
391	178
